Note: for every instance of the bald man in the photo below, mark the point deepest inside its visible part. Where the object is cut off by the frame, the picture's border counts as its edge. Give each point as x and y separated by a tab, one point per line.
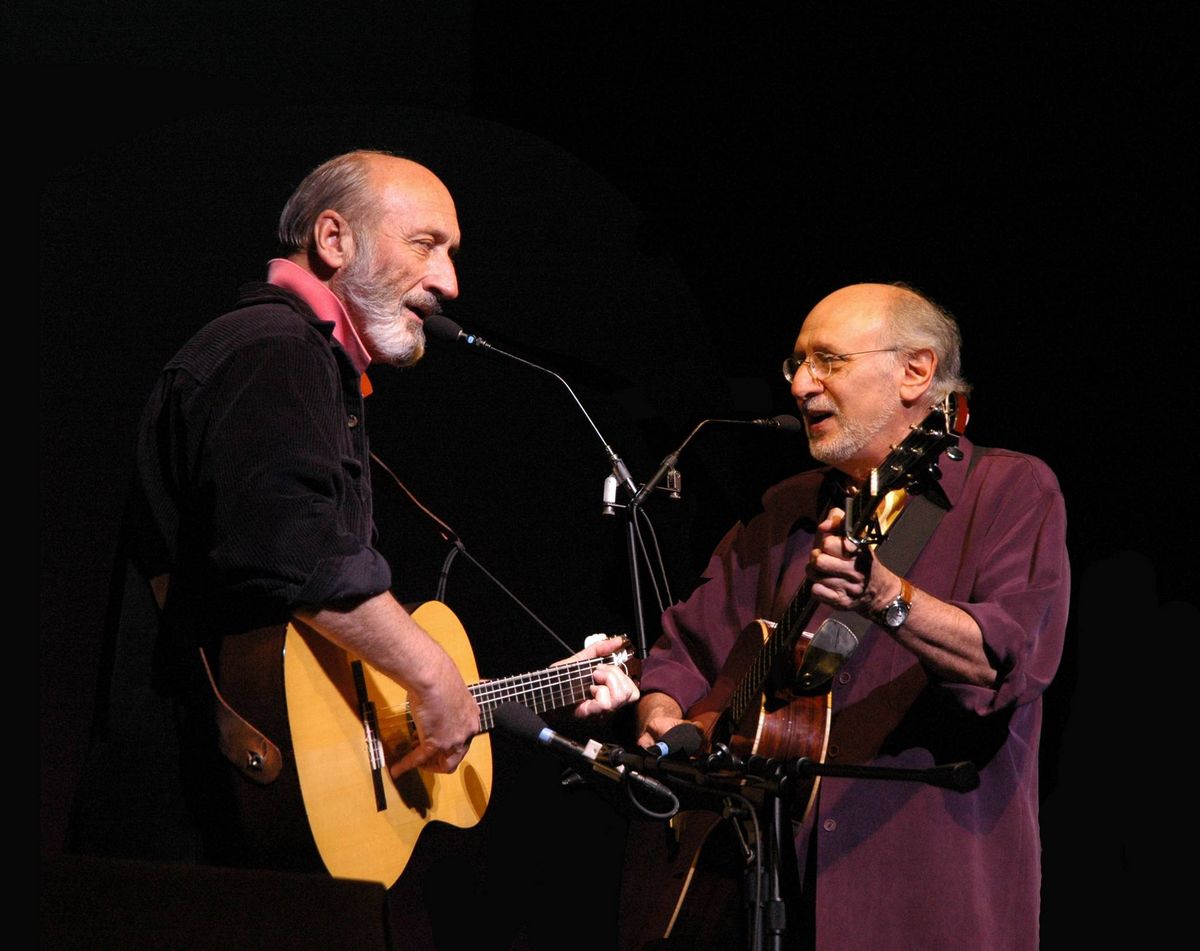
253	501
956	647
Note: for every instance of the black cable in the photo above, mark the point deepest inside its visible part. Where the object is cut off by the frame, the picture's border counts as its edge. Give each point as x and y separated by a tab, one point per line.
450	535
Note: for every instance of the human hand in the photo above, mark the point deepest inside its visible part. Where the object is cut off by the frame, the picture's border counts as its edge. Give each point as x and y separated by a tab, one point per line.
446	718
657	715
845	575
612	686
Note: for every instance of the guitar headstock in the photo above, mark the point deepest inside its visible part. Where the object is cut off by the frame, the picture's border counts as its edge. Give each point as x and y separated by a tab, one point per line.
618	658
913	465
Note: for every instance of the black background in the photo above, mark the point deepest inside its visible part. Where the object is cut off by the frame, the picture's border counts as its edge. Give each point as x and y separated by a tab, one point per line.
652	196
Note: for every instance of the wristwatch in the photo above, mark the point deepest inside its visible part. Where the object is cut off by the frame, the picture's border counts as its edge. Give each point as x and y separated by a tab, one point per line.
895	612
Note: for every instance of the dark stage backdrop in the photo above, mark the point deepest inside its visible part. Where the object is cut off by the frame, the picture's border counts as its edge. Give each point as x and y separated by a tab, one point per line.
650	204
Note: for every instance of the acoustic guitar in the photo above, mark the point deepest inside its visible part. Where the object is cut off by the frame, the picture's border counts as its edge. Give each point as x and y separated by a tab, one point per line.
348	721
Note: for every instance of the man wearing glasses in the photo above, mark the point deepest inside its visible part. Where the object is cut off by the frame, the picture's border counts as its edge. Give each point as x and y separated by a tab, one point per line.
960	630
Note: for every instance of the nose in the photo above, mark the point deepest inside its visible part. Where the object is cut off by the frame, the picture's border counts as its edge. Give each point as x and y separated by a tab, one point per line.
804	384
441	278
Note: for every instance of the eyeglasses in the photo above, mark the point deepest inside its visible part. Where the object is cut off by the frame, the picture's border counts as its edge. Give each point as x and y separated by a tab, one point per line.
821	365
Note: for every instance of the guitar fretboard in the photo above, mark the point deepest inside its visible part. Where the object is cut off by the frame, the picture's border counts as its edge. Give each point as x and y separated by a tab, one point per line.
749	690
555	687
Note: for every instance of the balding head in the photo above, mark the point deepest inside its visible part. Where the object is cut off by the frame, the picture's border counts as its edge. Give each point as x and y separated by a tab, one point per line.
876	357
380	231
904	318
352	185
341	184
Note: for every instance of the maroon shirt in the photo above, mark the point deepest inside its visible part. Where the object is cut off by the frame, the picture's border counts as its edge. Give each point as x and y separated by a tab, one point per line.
903	865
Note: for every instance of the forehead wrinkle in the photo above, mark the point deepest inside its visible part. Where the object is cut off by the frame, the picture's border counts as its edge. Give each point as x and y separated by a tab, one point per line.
842	332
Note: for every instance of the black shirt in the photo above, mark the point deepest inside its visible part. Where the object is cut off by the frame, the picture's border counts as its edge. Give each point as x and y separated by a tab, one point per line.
252	486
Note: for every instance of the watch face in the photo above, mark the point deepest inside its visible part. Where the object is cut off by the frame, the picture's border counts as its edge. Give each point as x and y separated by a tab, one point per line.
895	614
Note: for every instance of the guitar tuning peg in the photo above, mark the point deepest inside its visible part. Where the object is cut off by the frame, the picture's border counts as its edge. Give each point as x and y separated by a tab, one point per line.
954	454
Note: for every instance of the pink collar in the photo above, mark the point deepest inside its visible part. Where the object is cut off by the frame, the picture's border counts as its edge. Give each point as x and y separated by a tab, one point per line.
324	303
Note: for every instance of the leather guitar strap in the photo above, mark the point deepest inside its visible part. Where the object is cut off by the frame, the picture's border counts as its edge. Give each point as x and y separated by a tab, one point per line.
245	746
250	750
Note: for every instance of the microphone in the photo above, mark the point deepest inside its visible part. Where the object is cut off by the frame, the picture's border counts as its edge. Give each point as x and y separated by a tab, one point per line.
519	721
443	328
522	723
682	739
782	422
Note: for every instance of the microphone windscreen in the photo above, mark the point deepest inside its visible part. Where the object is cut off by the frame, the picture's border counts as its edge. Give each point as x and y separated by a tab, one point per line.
682	738
789	424
442	327
518	720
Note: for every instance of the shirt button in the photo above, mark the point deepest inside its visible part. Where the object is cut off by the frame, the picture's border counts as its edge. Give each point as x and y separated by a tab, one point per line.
833	750
844	677
351	420
829	825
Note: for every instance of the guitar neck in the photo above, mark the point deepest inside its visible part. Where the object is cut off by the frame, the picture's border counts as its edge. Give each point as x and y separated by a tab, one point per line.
551	689
563	685
749	690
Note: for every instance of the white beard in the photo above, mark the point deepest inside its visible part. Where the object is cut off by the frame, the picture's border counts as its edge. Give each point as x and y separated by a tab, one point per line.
850	437
391	334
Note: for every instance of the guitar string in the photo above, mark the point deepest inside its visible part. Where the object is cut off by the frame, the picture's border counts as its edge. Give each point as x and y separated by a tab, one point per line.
552	682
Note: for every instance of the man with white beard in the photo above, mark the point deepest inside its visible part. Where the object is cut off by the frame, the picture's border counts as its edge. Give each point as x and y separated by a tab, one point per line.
252	504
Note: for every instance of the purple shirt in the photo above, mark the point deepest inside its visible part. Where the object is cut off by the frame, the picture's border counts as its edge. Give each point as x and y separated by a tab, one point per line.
904	865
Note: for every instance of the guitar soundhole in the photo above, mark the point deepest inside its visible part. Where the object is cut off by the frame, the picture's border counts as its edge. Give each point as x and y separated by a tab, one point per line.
474	789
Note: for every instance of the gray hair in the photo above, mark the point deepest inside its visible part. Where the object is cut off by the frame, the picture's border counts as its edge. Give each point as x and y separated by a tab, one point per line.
341	184
920	323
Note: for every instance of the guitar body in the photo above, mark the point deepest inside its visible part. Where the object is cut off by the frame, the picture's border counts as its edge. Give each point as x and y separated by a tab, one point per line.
697	876
327	726
781	724
353	837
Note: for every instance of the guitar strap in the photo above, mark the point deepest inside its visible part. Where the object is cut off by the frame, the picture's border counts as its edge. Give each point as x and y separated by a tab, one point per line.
914	527
250	750
245	746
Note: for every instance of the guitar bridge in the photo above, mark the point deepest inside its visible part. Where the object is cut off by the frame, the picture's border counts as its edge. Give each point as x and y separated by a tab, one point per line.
370	724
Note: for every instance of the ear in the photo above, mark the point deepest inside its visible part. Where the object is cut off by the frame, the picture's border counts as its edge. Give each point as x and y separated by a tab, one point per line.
333	242
916	374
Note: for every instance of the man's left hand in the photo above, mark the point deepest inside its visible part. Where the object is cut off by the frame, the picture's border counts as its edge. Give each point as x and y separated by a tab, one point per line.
612	687
845	575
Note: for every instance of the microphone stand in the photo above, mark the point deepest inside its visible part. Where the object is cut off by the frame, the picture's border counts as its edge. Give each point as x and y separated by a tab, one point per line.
757	791
666	471
632	511
620	474
444	328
